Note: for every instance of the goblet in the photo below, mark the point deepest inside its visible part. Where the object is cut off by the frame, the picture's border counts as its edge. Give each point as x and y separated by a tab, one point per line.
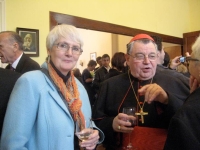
130	111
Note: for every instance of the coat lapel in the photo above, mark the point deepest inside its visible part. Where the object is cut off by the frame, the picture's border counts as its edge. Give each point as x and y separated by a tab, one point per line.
58	99
20	64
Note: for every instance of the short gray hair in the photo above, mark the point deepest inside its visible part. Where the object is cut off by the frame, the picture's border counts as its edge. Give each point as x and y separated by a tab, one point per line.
65	31
144	41
14	37
196	48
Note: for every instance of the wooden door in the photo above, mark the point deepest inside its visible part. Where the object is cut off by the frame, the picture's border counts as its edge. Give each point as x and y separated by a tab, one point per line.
188	40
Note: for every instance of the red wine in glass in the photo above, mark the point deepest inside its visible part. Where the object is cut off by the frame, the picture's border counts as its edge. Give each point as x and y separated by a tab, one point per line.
131	112
132	124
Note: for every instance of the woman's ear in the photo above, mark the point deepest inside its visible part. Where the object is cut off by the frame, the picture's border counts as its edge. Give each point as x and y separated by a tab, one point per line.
48	52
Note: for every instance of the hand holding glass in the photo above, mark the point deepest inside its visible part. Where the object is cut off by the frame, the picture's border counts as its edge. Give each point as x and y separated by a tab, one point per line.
130	111
84	134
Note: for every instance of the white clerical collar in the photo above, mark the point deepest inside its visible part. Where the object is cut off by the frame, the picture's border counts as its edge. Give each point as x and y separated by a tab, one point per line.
14	65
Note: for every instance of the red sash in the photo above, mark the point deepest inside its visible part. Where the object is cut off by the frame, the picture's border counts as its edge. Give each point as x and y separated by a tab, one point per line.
144	138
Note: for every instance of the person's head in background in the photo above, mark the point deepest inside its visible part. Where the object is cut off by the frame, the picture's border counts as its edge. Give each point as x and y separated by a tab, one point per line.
98	60
194	60
161	53
118	61
105	59
166	60
142	56
91	65
64	46
76	72
11	46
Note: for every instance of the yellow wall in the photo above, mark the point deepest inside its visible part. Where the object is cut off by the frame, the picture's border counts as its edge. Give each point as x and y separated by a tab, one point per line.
194	6
171	17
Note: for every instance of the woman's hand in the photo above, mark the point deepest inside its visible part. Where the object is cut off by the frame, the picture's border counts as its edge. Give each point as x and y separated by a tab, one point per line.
91	142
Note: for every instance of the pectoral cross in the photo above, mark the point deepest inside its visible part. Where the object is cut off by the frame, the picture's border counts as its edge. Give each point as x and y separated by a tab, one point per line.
141	113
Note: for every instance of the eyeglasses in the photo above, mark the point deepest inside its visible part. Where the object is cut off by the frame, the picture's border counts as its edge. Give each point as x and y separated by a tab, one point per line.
188	59
140	56
65	48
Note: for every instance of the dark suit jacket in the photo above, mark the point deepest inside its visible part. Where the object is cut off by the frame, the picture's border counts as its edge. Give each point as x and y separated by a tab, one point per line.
25	64
176	82
7	82
99	77
184	131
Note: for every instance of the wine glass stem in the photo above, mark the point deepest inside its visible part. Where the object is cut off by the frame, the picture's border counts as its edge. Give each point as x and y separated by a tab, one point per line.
129	141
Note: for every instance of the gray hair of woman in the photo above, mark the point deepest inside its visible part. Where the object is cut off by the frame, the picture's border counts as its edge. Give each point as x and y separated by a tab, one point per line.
63	31
196	49
130	45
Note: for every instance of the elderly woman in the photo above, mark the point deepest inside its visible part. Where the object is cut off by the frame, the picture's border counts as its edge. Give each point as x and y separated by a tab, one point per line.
45	105
184	131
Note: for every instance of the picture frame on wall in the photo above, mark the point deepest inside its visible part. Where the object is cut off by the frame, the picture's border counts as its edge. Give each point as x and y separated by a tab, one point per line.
93	56
31	41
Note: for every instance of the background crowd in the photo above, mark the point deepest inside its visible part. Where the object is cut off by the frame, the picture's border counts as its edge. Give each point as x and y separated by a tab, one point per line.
41	106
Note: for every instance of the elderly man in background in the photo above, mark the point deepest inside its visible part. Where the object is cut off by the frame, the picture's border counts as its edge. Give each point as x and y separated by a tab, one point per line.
11	51
141	87
184	131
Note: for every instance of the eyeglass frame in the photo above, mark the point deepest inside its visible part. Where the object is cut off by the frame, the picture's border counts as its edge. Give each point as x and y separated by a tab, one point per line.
187	59
145	56
67	49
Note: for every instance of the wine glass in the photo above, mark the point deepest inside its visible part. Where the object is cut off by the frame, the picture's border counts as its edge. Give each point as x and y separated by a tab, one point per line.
130	111
84	133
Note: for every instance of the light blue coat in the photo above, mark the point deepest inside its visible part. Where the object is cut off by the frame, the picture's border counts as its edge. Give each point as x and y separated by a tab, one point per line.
37	118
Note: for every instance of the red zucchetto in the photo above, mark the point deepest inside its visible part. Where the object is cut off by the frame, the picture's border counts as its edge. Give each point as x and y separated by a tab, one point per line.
141	36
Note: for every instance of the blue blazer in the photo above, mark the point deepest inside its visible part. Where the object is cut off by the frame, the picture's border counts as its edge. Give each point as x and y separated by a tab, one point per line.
37	118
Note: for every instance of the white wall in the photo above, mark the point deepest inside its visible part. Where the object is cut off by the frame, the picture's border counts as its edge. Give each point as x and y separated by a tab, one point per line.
94	41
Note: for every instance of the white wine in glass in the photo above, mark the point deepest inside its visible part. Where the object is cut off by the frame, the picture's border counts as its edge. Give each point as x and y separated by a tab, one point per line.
84	134
130	111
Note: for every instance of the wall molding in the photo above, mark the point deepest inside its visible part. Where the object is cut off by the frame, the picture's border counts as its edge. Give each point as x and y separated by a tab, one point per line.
2	17
2	22
59	18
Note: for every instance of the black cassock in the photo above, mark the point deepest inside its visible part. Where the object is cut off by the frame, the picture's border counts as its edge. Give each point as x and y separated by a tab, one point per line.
184	128
116	93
